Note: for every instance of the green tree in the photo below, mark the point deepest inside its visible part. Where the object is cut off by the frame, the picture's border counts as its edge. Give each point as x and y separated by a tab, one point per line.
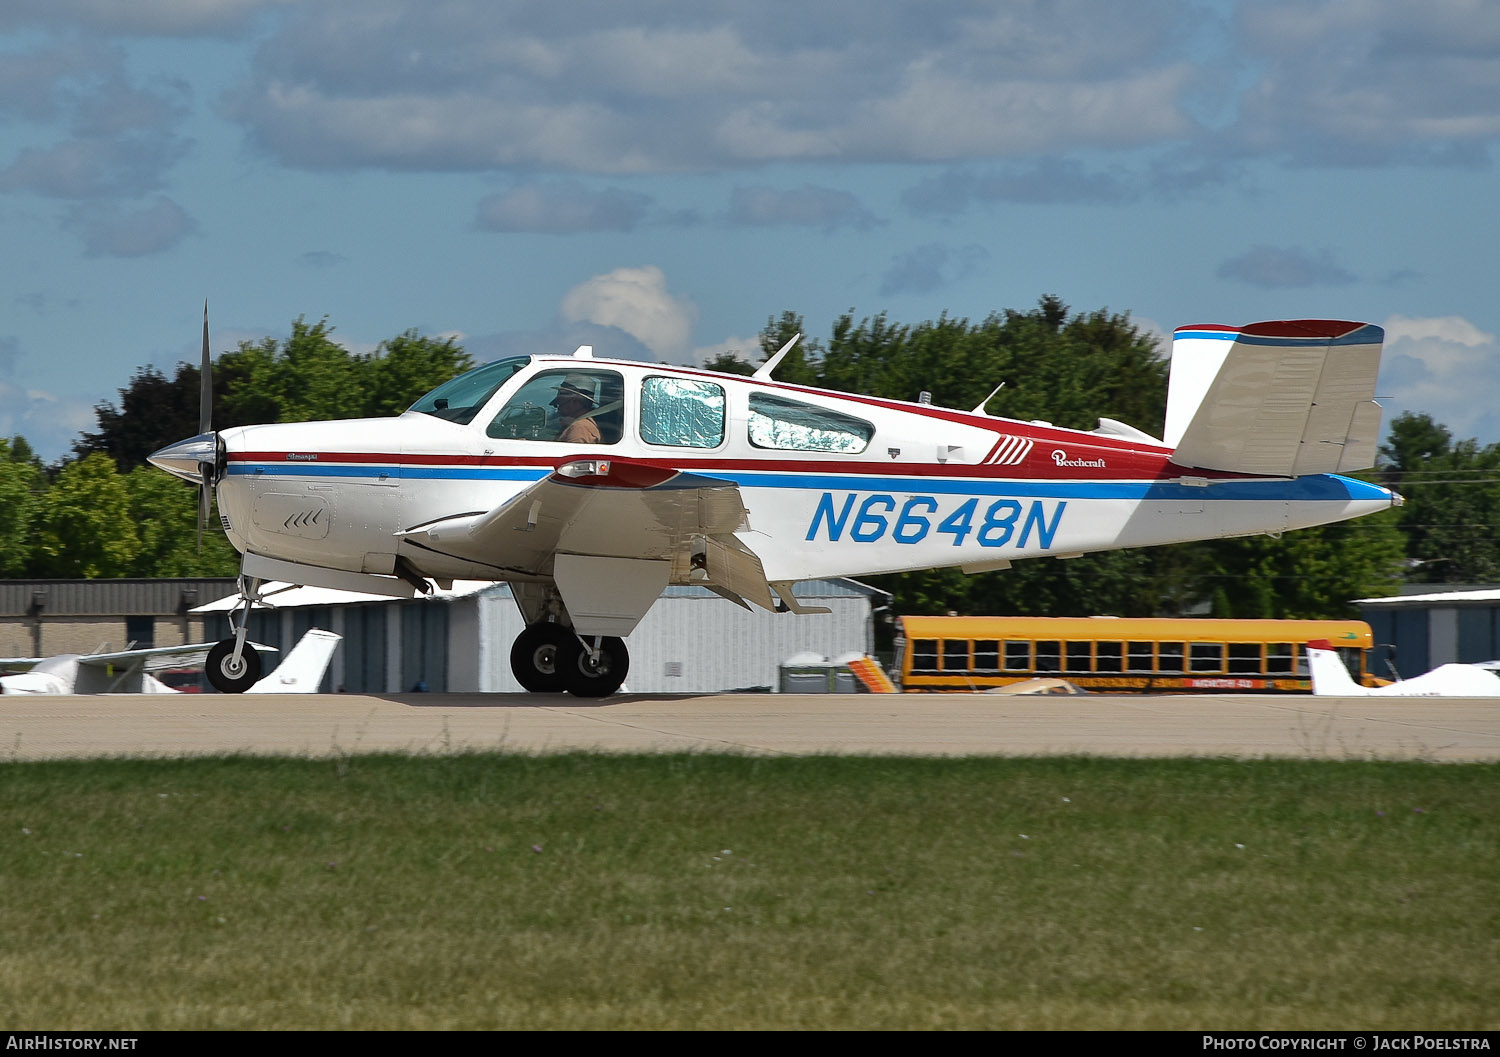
21	486
165	513
729	363
1309	573
83	527
1060	367
404	368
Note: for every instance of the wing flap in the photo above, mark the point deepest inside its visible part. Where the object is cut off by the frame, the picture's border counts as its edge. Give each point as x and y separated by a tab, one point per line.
613	508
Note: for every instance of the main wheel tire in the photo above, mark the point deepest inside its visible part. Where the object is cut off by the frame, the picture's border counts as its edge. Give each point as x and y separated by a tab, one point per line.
229	676
587	677
535	657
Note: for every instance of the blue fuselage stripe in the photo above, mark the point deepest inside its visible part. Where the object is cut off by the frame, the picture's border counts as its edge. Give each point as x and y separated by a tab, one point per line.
1319	487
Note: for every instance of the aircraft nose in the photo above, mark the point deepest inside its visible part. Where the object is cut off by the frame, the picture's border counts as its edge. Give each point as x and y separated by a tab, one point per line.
182	458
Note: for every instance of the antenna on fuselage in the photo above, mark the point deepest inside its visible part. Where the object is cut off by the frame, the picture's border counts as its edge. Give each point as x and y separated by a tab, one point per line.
979	410
584	352
763	372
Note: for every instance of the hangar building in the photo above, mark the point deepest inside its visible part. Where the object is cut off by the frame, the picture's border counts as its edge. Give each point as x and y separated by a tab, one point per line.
692	641
1439	627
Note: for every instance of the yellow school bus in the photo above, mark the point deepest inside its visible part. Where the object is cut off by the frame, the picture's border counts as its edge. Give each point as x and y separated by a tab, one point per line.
1122	655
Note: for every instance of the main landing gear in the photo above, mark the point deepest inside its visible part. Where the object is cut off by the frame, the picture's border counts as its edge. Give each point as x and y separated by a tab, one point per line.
548	658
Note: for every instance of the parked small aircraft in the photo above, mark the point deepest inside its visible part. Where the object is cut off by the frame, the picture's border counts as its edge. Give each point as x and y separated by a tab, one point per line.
130	671
1331	679
590	485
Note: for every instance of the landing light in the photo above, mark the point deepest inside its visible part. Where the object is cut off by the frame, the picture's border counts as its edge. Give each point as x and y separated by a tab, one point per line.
585	468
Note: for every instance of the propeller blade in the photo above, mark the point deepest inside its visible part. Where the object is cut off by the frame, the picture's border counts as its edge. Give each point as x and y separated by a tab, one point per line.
205	382
205	424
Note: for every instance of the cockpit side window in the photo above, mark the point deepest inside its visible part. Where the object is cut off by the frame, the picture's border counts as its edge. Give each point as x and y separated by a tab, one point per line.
784	424
567	407
461	398
682	412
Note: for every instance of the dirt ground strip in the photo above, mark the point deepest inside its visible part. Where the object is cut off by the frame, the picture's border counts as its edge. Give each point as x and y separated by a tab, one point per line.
1438	729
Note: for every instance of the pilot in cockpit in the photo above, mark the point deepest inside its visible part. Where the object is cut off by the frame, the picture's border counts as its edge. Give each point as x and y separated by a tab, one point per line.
574	401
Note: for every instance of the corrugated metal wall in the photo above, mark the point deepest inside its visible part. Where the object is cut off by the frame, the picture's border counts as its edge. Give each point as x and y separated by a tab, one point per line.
60	598
695	642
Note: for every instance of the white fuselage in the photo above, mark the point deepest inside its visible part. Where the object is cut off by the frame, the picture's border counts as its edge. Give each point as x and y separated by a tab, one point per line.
926	487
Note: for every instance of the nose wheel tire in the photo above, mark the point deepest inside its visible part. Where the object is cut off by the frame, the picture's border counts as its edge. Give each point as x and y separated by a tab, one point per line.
229	676
534	657
589	676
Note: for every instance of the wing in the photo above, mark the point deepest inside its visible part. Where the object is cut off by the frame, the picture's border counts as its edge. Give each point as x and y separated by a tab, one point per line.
1290	398
151	659
613	533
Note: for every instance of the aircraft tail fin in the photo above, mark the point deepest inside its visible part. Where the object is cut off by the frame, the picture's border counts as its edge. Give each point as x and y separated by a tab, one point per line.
1329	676
302	670
1279	399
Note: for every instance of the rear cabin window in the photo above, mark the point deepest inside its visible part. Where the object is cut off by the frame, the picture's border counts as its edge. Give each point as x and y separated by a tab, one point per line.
782	424
682	413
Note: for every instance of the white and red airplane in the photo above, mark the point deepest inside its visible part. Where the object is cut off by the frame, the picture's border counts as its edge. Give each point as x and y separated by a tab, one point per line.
1331	679
590	484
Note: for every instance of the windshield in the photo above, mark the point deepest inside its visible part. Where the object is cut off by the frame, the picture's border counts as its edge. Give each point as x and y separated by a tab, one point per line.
460	400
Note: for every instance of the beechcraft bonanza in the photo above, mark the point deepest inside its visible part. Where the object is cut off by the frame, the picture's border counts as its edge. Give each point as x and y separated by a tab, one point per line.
1331	679
590	485
134	671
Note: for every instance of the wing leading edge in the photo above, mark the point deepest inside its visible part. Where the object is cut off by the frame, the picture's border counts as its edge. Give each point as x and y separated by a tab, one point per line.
613	533
1288	398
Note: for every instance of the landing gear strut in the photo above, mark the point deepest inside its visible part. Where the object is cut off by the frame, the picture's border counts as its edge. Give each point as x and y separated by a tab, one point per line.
548	658
233	664
596	667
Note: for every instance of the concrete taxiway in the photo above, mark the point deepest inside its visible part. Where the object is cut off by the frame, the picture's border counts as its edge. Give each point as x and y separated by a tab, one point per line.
1437	729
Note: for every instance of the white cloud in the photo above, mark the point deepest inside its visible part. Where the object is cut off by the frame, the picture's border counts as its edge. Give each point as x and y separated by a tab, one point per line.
685	86
109	230
48	422
805	206
564	207
1446	367
1360	81
637	301
1276	267
144	17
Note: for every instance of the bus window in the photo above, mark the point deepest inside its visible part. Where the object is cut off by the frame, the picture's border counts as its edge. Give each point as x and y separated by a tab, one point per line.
924	655
1017	655
1279	658
1244	658
955	655
1207	656
986	655
1108	657
1139	657
1080	657
1048	656
1170	654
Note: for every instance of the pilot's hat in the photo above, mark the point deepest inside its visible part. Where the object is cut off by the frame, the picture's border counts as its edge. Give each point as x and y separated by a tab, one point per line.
576	385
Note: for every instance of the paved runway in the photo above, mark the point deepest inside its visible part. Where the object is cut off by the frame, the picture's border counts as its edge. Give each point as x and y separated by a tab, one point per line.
1439	729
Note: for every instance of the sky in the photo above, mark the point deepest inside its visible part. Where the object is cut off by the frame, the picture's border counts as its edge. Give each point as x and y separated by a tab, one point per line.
659	178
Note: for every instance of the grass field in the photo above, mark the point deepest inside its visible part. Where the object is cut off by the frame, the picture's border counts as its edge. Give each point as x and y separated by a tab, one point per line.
596	891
